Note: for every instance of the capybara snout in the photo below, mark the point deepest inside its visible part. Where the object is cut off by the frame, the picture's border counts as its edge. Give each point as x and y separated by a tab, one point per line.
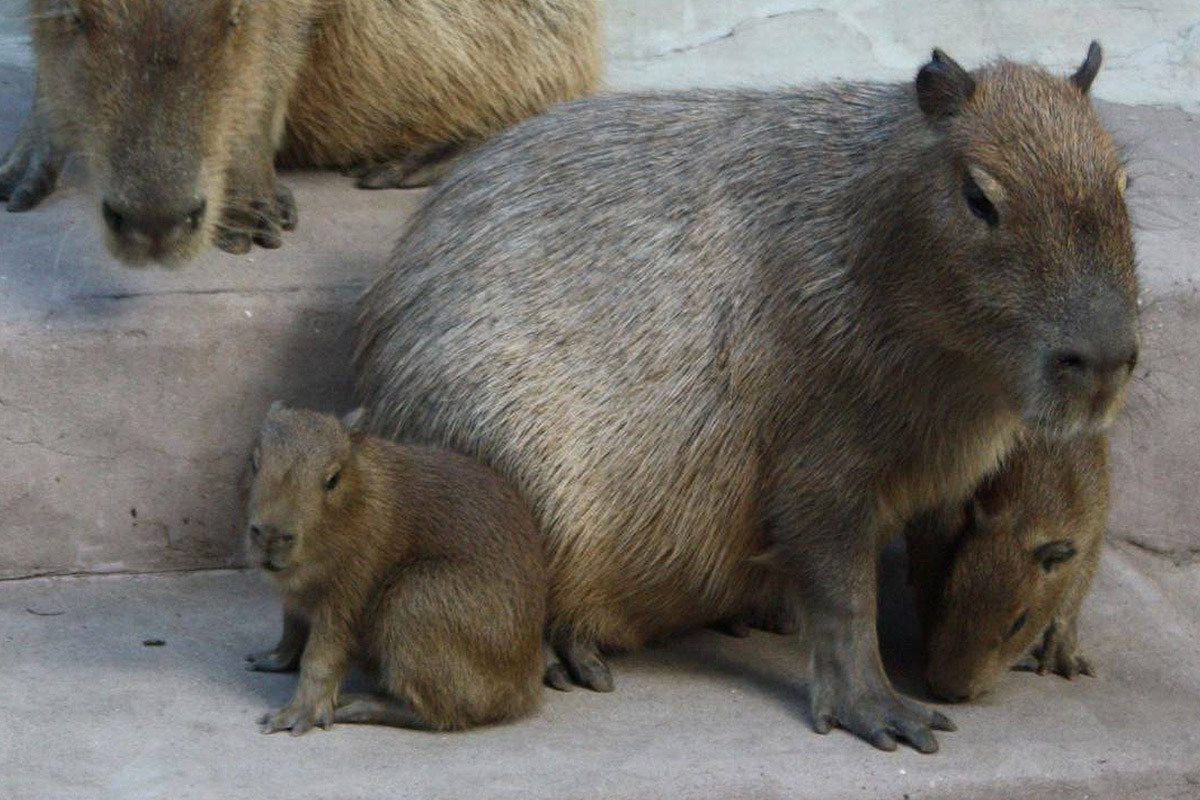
155	92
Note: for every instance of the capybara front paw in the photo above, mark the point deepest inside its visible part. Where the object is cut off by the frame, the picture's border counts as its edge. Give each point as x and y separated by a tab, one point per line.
259	220
1058	654
298	718
272	661
881	718
29	172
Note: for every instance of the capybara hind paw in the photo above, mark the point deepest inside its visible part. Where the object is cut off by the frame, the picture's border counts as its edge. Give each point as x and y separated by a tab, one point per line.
586	667
272	661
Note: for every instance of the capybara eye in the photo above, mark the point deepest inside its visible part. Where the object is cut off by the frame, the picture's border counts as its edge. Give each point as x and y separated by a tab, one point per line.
332	480
1016	626
979	203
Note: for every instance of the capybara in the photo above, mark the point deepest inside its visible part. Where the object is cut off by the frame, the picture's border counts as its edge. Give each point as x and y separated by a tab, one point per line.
180	106
422	564
1018	562
721	338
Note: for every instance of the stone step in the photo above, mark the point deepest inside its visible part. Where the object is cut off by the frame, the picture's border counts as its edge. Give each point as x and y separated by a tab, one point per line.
128	399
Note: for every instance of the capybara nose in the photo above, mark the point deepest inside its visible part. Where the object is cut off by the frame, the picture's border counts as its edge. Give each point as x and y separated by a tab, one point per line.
157	224
1096	363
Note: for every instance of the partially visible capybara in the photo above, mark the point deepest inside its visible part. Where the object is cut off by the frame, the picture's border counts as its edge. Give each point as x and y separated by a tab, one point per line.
1014	568
692	328
180	106
422	564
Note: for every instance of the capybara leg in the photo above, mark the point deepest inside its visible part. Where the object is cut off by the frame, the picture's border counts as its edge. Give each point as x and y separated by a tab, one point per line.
421	168
257	207
321	670
848	687
374	709
30	169
586	667
285	656
555	675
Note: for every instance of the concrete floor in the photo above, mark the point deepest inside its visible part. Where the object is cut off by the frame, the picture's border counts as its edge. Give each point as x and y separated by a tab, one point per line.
91	712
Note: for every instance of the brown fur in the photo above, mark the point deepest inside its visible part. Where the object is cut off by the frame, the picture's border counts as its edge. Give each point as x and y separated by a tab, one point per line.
181	105
1015	569
420	563
725	340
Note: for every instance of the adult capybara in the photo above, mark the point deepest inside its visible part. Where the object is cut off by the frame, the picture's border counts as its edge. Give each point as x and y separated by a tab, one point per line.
718	337
1017	565
422	564
180	106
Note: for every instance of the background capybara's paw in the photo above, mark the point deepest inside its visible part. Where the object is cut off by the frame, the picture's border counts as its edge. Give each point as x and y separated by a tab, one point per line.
29	172
259	219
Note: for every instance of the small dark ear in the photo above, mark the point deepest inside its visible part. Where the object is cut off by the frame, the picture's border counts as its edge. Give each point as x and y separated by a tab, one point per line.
1051	554
354	420
943	86
1086	73
976	516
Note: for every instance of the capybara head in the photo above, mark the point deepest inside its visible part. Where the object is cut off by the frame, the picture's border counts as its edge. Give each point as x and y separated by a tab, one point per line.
1039	277
152	91
304	481
1001	593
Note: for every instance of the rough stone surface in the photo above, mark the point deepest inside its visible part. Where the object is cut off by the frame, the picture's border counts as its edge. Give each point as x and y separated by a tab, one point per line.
92	713
1152	50
128	398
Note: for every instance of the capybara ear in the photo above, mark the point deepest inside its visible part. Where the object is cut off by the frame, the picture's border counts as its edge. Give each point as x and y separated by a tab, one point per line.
977	517
943	86
1051	554
353	421
1086	73
236	9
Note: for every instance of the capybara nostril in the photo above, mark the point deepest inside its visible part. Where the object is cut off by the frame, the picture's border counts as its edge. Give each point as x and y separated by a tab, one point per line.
195	217
157	223
113	218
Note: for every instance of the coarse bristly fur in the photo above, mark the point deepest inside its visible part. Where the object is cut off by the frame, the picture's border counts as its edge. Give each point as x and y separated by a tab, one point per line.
180	106
722	340
422	564
1011	572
